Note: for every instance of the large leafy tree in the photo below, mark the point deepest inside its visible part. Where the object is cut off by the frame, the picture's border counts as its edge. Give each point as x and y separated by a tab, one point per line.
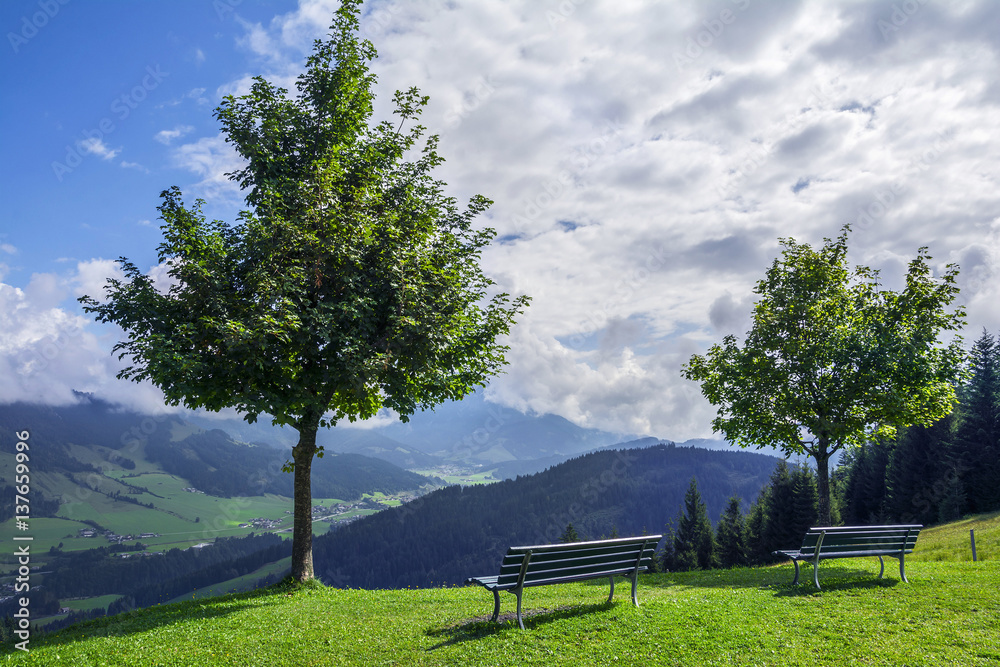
350	284
833	358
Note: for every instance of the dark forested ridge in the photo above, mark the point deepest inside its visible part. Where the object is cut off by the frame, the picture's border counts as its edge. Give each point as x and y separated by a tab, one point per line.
457	532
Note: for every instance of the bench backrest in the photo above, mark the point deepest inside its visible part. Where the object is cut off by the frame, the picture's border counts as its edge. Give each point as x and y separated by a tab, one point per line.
549	563
846	539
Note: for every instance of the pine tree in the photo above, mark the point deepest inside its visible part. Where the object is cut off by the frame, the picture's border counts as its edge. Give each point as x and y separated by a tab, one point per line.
805	500
757	549
694	542
569	535
779	529
865	492
731	536
976	437
917	474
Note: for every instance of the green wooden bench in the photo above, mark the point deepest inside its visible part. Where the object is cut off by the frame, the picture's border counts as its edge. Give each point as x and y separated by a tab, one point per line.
545	564
855	542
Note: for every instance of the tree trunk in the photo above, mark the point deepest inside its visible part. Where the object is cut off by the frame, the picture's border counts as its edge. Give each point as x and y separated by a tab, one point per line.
822	456
302	455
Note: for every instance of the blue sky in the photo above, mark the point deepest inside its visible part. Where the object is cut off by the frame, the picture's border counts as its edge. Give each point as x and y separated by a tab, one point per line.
644	157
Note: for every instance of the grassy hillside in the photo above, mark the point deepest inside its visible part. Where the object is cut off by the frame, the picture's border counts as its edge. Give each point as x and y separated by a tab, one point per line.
949	613
951	541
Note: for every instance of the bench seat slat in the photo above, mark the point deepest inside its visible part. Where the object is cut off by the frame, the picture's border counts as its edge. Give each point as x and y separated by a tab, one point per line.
513	566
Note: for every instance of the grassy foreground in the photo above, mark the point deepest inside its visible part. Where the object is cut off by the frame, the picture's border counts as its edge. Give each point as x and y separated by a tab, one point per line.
948	615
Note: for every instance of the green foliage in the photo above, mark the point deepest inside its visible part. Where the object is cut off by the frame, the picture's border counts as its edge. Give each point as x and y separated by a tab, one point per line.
351	284
936	473
569	535
977	435
694	542
785	509
833	358
731	536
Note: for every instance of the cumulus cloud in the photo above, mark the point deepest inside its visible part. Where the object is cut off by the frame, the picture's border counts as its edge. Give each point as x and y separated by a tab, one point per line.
48	352
167	136
645	158
95	146
210	158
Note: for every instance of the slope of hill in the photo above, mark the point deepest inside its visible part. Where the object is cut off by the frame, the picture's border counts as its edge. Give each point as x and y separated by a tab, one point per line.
100	476
454	532
946	615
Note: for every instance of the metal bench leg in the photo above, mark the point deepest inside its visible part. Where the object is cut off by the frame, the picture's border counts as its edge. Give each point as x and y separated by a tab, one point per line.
635	585
902	568
518	593
612	593
816	573
795	581
496	605
882	563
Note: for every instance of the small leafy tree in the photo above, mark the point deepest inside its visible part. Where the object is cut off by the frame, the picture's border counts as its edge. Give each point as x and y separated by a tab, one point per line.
351	283
832	358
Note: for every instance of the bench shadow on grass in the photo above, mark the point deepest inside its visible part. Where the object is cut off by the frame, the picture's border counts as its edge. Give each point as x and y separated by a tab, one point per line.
779	579
479	627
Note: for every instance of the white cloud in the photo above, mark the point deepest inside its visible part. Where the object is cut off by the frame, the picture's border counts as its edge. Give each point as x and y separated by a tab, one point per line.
97	147
47	353
134	165
644	158
210	158
166	136
92	277
8	248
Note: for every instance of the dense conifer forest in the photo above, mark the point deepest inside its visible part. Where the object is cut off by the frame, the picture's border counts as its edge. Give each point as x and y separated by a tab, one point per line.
457	532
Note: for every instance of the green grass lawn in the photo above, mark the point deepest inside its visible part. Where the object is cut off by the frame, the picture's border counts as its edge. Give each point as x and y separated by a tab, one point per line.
948	615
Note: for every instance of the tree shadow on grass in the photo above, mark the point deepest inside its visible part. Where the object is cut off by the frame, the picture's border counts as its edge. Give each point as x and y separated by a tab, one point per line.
479	627
149	618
